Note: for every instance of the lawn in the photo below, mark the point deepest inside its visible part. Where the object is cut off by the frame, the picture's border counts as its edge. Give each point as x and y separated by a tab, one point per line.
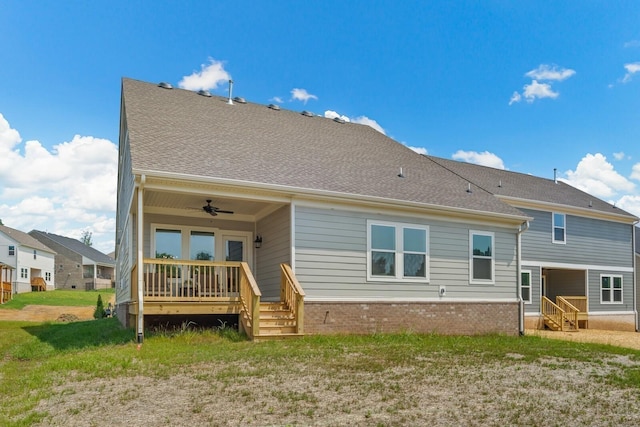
91	373
58	298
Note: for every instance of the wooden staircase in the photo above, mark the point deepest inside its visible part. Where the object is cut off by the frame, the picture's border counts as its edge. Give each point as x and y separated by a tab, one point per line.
38	284
277	321
559	317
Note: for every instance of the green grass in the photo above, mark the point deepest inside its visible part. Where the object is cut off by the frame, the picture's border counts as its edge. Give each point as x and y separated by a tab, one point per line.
58	298
37	358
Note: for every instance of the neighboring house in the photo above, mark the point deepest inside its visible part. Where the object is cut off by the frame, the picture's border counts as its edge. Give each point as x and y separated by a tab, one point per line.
337	226
637	266
32	262
78	266
6	280
576	246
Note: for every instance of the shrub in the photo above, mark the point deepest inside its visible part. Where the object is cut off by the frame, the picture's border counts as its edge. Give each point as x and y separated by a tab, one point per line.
99	312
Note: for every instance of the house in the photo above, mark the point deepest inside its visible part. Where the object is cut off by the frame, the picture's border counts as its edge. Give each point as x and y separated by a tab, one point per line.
31	261
577	248
6	283
78	266
637	247
301	224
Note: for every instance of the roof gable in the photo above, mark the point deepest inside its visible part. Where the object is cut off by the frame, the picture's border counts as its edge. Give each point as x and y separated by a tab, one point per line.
24	239
179	132
76	246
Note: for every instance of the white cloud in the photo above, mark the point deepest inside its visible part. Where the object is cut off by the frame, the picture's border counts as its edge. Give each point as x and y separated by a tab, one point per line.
277	99
485	158
631	68
630	203
302	95
71	187
330	114
550	72
595	175
619	155
364	120
635	172
209	77
516	97
538	90
419	150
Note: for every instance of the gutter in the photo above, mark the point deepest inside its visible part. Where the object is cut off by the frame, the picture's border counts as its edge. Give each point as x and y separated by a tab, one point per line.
635	275
523	227
140	260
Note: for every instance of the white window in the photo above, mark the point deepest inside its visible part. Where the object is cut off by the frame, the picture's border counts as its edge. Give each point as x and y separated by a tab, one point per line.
202	245
168	243
34	254
47	276
397	251
12	250
610	289
525	286
559	228
24	273
481	257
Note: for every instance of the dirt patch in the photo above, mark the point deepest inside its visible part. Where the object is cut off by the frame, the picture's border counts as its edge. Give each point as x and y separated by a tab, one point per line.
596	336
47	313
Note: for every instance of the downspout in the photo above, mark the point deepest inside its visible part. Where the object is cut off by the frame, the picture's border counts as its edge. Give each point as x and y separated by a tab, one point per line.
140	244
635	275
523	227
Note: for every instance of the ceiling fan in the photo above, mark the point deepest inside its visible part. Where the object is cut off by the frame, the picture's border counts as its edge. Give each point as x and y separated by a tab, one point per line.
212	210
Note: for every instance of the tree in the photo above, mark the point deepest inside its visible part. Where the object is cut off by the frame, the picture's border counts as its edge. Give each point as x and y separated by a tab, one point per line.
86	238
1	221
99	311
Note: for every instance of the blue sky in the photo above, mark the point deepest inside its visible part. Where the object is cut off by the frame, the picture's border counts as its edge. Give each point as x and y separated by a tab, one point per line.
524	85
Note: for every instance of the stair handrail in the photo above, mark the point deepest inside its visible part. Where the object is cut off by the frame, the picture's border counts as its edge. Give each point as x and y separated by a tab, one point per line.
250	299
553	312
292	294
571	311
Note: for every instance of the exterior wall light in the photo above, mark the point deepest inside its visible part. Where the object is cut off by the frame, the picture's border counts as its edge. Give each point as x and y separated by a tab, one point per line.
258	241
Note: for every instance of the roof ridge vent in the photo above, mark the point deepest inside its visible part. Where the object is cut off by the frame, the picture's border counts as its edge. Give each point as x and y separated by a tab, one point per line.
204	93
307	113
274	107
240	100
165	85
339	120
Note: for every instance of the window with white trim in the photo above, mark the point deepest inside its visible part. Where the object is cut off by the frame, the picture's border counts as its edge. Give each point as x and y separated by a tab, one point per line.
24	273
12	250
525	286
481	257
47	276
397	251
610	289
559	228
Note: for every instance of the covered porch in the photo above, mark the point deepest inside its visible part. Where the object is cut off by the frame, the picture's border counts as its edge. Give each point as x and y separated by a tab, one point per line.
564	303
203	255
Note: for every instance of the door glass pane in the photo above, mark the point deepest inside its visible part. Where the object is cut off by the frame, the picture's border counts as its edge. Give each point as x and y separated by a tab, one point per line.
168	244
234	250
383	237
202	245
415	240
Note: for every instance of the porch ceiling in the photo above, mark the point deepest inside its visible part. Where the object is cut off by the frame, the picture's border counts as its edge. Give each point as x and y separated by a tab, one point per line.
186	204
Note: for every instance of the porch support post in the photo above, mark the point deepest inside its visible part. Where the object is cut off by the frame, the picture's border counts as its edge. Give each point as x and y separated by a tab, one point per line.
524	227
140	270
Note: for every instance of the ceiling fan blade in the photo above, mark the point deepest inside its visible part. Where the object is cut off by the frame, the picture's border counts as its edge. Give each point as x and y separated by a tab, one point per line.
212	213
221	211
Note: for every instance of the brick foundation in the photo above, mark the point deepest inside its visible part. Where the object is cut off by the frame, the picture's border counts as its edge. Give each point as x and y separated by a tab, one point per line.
447	318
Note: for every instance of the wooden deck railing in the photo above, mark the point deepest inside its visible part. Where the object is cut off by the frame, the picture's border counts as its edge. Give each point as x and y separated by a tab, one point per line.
580	304
38	284
184	280
5	292
557	317
250	299
292	294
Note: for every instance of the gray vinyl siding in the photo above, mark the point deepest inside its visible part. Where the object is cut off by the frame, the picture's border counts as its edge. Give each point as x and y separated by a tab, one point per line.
125	194
594	292
588	241
536	291
331	258
276	249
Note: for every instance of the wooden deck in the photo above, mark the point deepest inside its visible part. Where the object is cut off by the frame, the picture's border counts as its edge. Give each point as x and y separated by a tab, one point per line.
185	287
568	313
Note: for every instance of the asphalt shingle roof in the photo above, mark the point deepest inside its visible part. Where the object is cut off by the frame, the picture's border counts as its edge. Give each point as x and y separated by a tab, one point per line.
76	246
528	187
25	239
179	131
